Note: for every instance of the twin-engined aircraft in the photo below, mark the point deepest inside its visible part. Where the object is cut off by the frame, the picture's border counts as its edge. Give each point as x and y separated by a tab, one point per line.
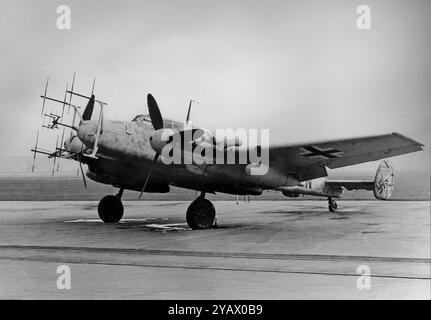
129	155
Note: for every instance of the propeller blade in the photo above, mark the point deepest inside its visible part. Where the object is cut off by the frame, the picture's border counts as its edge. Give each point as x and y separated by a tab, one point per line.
80	167
154	111
149	174
82	173
88	112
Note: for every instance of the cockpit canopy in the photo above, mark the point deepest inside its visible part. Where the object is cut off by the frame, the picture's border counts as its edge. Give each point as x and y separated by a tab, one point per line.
142	118
145	118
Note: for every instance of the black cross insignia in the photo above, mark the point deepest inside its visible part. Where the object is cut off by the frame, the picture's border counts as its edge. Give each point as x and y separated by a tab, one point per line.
311	152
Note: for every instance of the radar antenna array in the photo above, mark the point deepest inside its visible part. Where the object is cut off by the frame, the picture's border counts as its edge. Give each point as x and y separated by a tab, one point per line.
59	121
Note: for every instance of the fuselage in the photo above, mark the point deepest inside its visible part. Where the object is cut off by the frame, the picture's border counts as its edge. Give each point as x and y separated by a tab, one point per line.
126	155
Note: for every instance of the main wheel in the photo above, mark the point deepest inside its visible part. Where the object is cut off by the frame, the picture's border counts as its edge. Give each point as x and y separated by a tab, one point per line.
110	209
200	214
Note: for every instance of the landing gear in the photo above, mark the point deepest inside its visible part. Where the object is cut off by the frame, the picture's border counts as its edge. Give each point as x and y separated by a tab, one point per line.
110	208
201	213
332	205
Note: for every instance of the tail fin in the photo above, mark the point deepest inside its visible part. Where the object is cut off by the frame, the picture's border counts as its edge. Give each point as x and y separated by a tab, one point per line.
384	181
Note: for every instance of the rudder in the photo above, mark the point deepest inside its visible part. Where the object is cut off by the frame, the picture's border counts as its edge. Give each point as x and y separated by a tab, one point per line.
384	181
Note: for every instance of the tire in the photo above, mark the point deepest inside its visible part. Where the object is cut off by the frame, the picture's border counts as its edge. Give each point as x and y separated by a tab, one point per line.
201	214
335	205
110	209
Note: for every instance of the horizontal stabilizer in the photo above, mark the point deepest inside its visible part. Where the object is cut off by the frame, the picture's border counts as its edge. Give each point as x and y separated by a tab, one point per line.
351	184
382	186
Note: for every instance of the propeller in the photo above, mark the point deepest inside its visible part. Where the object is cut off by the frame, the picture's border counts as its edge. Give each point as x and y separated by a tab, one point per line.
82	172
157	121
154	111
80	166
149	174
88	112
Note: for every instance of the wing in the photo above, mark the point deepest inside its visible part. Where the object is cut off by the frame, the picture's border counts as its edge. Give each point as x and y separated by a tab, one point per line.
309	161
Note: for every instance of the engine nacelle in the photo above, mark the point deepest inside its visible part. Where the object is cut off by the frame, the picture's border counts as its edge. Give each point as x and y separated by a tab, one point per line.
161	138
253	169
228	142
206	136
203	136
315	187
193	137
74	146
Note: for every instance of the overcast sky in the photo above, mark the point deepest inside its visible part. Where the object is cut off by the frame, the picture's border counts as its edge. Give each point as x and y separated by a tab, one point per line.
300	68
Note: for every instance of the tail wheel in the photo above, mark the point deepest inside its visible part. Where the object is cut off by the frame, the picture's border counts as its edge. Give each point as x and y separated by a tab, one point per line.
201	214
332	205
110	209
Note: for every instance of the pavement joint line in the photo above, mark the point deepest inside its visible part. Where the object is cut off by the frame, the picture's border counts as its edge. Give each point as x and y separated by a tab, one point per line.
244	255
214	268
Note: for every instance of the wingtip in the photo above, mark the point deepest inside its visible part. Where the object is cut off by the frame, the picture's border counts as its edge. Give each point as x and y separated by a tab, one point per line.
417	143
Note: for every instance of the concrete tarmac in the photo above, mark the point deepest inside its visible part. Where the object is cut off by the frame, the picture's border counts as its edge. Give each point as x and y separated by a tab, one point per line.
260	250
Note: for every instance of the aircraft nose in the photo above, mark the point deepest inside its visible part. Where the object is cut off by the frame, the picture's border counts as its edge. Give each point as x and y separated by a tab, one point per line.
87	132
73	145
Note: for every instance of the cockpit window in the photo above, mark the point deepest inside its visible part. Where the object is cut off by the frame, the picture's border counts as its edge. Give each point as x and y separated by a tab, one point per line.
129	129
142	118
168	123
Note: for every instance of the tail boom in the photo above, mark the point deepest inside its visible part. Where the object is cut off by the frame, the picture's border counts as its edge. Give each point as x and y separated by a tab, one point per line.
382	186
